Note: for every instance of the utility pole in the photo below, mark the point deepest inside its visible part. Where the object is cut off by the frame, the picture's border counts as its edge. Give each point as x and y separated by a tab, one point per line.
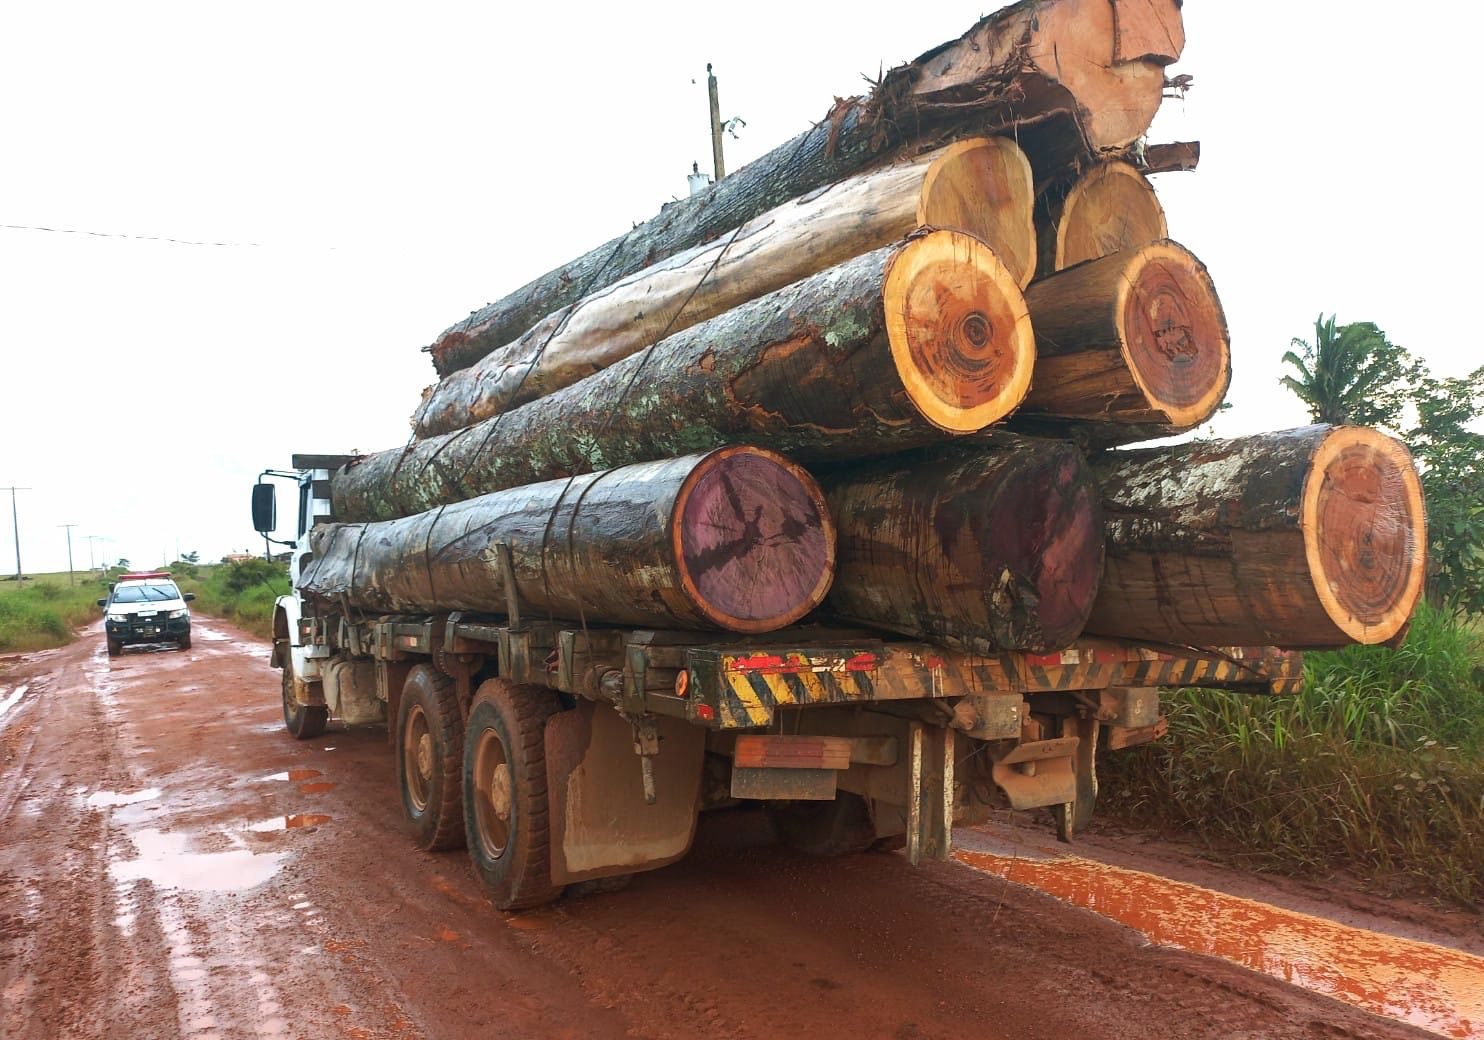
70	579
17	524
716	159
92	540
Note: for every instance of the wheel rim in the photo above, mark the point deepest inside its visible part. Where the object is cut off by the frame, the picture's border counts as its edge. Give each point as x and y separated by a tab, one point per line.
494	802
417	758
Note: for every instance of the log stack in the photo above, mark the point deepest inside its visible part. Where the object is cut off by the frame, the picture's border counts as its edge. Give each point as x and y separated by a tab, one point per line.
947	301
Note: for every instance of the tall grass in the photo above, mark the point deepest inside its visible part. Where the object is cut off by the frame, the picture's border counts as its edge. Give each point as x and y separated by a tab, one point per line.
1377	767
42	612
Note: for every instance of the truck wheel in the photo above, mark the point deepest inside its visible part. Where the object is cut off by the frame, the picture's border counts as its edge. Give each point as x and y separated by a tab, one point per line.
303	721
430	758
835	828
184	642
505	806
115	647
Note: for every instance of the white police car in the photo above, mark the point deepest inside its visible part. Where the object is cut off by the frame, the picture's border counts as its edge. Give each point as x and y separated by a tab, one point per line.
146	608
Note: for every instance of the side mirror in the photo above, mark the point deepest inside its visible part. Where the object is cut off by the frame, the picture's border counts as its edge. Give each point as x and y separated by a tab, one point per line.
103	603
264	508
189	596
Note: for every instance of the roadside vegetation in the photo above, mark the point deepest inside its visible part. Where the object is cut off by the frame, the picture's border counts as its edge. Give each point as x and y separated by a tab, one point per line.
242	593
1376	769
41	612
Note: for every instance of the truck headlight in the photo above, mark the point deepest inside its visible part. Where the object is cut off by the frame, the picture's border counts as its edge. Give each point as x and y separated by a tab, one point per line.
118	619
182	612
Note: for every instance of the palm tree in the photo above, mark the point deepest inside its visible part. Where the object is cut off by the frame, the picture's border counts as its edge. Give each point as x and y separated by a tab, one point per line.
1350	374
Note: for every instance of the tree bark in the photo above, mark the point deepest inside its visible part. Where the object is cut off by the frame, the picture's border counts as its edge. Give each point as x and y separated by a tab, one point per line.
981	186
737	539
1173	157
1066	78
1314	537
895	349
984	549
1108	209
1137	338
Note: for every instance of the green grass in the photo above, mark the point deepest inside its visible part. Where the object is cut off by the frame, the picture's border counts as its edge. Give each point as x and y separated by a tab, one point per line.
41	612
242	593
1376	768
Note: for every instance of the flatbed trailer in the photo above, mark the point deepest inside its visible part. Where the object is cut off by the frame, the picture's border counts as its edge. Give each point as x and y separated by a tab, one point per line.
565	753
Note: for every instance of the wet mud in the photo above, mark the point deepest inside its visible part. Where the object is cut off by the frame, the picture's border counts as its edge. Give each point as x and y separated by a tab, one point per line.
172	864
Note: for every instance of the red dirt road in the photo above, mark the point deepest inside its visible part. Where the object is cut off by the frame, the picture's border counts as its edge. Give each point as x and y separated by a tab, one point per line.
173	864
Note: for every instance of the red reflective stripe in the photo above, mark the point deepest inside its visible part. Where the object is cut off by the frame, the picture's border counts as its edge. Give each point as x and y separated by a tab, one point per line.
755	663
861	663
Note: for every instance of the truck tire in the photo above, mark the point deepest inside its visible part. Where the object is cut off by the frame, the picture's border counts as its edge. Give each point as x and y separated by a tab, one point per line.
505	804
834	828
184	642
115	647
430	758
303	721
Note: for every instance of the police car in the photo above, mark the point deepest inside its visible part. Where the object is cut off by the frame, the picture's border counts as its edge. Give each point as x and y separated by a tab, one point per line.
146	608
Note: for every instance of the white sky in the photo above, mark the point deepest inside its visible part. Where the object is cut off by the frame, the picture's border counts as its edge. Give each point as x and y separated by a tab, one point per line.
399	166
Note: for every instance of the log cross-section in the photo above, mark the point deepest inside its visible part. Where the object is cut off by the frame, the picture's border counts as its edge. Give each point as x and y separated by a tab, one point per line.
1108	209
1136	338
1307	538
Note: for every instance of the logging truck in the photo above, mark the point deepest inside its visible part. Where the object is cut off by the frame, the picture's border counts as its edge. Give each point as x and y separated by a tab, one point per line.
562	752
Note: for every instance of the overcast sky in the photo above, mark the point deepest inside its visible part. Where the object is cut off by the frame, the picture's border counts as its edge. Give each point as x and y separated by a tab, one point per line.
375	172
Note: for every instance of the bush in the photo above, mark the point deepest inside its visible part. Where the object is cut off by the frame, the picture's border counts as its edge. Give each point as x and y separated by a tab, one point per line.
1375	766
244	574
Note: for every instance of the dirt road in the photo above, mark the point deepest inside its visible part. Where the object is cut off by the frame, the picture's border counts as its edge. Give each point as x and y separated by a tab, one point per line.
173	864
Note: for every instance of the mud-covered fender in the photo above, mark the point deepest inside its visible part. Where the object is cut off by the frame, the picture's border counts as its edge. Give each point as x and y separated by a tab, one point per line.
287	651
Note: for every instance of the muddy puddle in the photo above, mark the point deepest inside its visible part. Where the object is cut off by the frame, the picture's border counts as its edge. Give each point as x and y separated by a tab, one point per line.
1433	987
164	860
114	799
10	698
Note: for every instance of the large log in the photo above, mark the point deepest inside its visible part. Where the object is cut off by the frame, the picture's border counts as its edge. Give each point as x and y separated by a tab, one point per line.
1110	208
982	186
1064	77
892	350
983	549
1136	338
736	539
1313	537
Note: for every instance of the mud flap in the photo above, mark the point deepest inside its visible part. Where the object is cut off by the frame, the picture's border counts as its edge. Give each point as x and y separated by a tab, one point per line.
600	823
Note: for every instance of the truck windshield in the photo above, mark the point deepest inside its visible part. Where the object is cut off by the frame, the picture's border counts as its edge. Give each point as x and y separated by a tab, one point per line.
145	593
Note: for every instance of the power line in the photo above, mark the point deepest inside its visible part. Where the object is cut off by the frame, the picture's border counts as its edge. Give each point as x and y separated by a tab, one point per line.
137	238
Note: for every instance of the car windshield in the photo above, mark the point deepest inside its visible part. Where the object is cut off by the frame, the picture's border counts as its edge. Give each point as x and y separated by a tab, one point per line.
146	593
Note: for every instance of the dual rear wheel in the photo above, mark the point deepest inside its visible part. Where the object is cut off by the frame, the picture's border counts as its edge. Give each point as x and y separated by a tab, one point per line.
480	782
